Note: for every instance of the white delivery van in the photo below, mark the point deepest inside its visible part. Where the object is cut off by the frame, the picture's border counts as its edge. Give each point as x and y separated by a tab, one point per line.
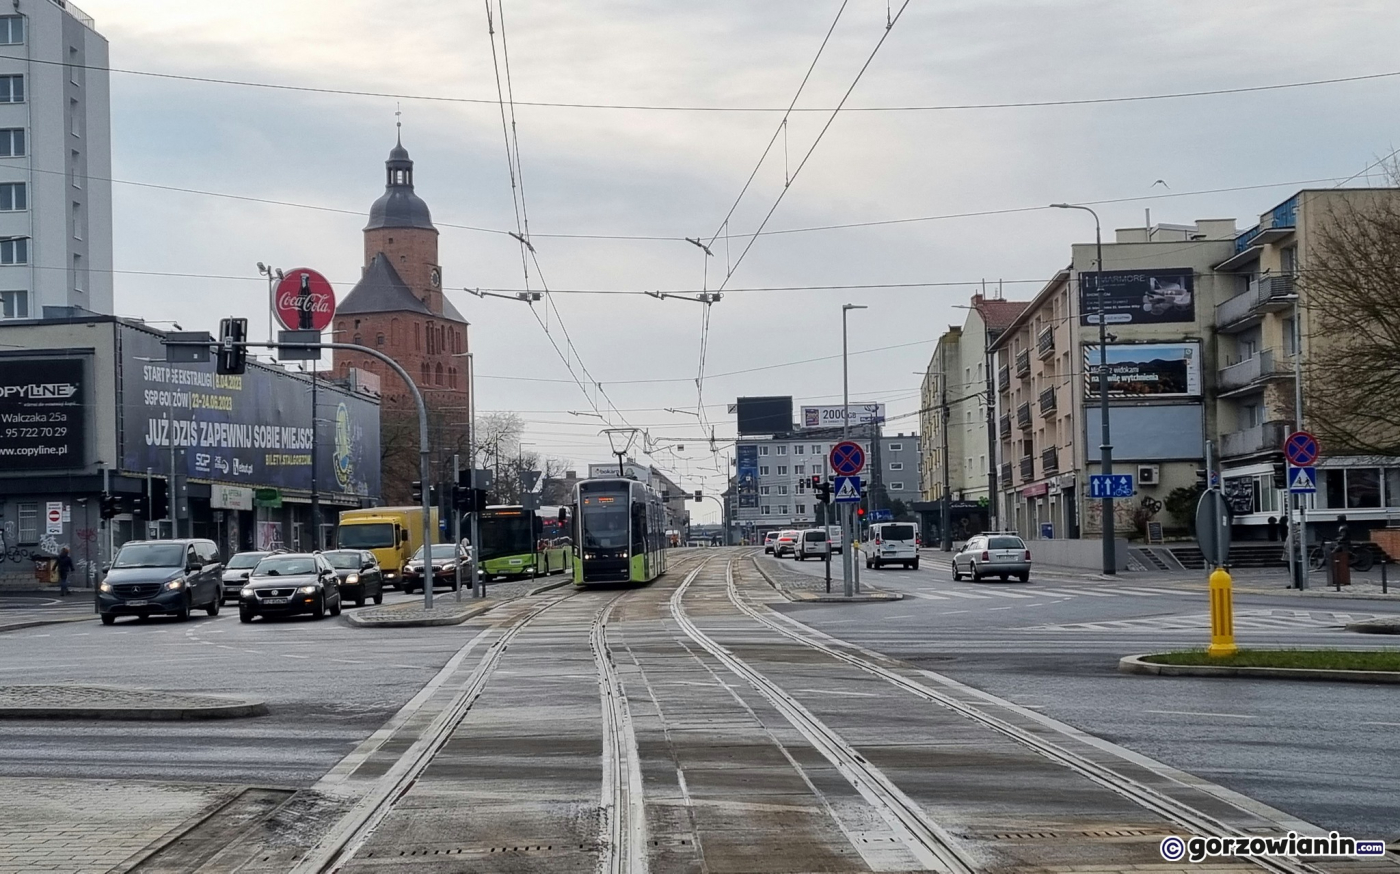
892	543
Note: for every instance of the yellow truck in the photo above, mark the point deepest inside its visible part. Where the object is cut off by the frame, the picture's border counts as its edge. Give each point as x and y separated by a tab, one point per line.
393	534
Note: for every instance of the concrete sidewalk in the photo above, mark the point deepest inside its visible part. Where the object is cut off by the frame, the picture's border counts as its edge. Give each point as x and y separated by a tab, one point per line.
31	609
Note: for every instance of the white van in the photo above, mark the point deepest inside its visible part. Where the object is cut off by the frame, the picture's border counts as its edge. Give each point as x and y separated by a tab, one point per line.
833	534
892	543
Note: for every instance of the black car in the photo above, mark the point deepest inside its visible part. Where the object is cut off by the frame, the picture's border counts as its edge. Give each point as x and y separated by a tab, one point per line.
445	559
290	583
162	578
237	571
359	573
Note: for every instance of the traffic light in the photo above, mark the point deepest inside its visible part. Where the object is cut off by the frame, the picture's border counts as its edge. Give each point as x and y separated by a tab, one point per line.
1280	474
418	493
821	489
860	512
461	495
232	357
1201	474
699	496
112	505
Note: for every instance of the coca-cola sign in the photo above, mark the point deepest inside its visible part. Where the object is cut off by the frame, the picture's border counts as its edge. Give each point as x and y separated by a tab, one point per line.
304	301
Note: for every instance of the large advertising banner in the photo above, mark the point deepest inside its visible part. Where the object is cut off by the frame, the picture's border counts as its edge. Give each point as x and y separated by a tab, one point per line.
746	476
830	417
1158	370
42	413
1138	297
250	430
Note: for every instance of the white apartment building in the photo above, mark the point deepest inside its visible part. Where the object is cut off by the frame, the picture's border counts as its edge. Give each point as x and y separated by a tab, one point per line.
55	161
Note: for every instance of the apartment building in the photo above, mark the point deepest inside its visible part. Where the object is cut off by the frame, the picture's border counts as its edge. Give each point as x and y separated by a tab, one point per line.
55	162
1157	292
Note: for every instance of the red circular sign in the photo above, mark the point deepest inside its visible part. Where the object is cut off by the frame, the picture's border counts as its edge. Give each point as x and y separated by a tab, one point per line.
294	306
55	515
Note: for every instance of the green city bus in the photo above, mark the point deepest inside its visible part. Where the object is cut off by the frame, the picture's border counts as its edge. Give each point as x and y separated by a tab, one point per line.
515	543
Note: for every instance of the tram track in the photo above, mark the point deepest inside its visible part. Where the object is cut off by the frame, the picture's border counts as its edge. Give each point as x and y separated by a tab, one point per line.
622	831
929	843
1197	822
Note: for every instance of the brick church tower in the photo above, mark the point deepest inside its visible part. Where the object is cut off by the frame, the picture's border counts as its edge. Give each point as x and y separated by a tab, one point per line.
398	308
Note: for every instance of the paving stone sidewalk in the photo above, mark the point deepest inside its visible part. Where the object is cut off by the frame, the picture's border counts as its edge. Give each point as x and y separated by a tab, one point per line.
31	609
80	701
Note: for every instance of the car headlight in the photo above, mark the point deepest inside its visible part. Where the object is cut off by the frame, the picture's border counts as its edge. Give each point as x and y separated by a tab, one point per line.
624	553
307	590
246	593
175	584
449	567
105	587
389	575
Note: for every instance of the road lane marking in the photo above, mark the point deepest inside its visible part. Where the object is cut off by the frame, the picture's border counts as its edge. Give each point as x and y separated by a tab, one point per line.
951	612
1195	713
1379	723
927	597
1000	593
1007	607
969	595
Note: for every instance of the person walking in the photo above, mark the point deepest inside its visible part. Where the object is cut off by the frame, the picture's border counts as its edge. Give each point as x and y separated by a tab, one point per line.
65	567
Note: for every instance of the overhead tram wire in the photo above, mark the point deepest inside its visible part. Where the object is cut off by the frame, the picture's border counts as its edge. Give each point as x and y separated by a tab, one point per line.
639	107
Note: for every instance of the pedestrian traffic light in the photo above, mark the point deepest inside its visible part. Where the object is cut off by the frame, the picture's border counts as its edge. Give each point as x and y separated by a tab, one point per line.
699	496
417	491
1280	474
233	356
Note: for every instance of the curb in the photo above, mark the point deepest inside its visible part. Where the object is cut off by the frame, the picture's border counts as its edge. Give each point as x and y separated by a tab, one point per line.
456	618
819	597
220	707
1134	664
39	623
549	586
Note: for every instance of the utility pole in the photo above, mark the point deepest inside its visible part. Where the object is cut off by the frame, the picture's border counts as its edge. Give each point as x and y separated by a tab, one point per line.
848	560
993	437
947	462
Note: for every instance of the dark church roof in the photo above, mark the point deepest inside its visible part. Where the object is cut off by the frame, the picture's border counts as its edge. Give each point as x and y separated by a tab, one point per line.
381	290
398	206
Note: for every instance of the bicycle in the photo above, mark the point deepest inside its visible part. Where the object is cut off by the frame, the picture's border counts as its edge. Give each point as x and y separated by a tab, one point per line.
1361	559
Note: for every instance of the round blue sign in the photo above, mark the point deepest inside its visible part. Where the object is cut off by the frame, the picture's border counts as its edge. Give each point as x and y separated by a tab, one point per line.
1301	449
847	458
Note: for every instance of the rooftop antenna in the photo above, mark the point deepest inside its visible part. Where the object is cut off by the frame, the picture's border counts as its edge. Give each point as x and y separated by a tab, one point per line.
398	120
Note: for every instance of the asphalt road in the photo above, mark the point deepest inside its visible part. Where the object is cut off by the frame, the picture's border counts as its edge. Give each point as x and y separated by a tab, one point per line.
1325	752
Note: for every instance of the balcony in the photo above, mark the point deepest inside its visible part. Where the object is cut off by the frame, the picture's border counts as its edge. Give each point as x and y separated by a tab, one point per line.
1027	469
1047	402
1045	342
1050	460
1023	417
1004	427
1269	294
1023	362
1262	366
1006	469
1267	437
1003	379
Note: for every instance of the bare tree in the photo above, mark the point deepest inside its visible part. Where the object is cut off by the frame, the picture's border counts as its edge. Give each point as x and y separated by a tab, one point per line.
1352	287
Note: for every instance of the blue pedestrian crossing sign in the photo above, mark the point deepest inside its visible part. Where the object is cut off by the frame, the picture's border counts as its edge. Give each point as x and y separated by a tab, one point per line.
1302	480
846	490
1113	485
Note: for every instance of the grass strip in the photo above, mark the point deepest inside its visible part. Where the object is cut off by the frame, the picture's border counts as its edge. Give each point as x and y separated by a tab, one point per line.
1321	659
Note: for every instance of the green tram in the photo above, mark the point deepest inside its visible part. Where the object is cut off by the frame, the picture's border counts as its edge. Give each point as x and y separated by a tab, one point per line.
515	543
621	532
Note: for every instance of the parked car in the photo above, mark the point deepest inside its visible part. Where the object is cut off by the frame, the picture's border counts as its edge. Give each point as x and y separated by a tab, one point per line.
768	540
359	575
813	543
237	571
993	555
786	544
892	543
838	540
162	577
445	557
288	584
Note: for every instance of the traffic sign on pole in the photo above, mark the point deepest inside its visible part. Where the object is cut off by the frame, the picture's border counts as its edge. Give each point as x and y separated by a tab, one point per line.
1301	449
847	458
846	490
1113	485
1302	480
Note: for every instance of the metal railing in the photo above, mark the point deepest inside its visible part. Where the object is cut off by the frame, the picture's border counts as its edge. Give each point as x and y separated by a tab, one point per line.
1045	342
1004	427
1269	293
1006	471
1023	417
1027	469
1023	362
1050	459
1268	436
1003	378
1251	370
1047	402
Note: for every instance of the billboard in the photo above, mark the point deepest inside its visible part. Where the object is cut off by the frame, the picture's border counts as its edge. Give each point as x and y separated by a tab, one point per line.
770	415
1157	370
746	476
1138	297
830	417
42	413
247	430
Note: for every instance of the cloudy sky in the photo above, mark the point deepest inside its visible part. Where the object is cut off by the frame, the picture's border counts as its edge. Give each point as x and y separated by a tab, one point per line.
592	175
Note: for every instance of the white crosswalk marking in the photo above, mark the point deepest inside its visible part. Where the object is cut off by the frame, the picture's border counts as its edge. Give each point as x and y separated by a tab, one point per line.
1256	620
1075	592
1002	593
928	597
967	595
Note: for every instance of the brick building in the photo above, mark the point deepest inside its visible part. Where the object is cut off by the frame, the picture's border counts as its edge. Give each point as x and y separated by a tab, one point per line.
398	308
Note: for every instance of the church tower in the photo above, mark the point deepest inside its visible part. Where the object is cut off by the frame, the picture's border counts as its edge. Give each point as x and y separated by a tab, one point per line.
398	308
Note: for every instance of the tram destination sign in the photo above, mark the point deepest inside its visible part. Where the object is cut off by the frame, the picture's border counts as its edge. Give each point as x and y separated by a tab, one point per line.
42	409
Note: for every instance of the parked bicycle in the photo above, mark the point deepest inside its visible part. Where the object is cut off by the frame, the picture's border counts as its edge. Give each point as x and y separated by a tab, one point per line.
1358	557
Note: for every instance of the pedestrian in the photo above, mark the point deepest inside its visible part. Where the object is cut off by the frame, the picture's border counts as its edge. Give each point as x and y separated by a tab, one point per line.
65	567
1343	535
1273	528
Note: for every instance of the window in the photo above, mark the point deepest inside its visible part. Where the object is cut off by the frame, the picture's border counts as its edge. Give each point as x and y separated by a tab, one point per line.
1249	414
816	450
11	30
417	336
782	490
799	469
819	465
437	375
1353	489
11	89
896	487
896	447
1392	487
763	490
452	377
782	470
73	169
1289	341
783	510
802	486
379	339
77	221
801	509
14	304
798	448
13	197
78	279
765	510
29	522
12	142
782	450
14	251
899	465
763	450
75	118
74	64
763	470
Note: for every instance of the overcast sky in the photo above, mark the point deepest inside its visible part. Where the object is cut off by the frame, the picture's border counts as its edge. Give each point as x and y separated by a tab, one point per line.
675	174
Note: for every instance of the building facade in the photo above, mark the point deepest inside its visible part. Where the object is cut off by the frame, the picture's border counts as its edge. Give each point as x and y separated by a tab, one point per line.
398	307
55	162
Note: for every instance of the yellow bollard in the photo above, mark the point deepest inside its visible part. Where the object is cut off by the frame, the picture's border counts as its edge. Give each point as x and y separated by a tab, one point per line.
1222	616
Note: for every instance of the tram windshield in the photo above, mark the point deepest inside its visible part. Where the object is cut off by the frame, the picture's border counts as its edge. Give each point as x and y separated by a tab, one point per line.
605	521
505	535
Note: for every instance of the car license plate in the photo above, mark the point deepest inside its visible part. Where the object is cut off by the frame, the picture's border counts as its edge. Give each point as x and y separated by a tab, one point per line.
275	601
1009	556
137	603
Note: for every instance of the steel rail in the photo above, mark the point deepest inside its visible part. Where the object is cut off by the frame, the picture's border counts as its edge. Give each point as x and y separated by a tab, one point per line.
623	829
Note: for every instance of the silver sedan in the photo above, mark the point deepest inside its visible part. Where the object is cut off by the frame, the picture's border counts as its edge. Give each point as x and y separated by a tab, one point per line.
993	555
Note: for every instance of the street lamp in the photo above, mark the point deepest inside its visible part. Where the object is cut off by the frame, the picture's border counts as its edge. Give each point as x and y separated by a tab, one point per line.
848	559
1110	563
274	276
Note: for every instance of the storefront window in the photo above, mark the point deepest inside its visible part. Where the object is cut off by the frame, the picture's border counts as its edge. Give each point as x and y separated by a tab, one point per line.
1392	487
1363	487
1335	482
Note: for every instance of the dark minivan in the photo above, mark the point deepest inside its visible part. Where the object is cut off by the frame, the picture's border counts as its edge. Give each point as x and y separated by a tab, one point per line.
162	577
